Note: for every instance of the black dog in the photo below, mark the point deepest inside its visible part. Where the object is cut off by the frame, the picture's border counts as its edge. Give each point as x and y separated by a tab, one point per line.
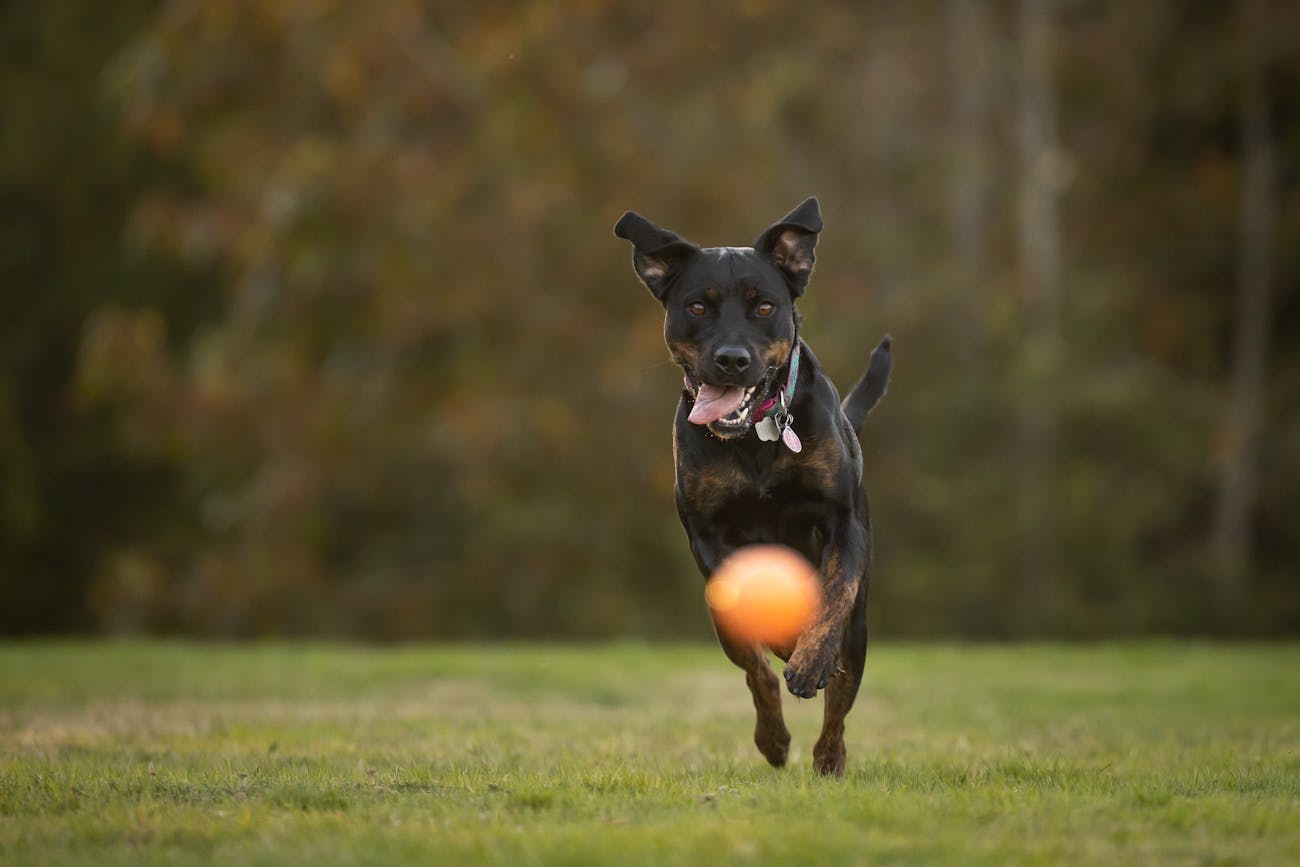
765	452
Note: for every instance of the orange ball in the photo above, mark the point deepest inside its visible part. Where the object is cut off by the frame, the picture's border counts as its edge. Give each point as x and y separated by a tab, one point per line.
764	593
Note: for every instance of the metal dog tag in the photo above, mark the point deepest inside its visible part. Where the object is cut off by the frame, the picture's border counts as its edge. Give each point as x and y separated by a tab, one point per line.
767	430
791	439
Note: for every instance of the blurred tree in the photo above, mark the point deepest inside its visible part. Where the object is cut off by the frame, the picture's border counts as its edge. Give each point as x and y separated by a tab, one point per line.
1235	501
71	490
343	344
1040	267
971	59
976	58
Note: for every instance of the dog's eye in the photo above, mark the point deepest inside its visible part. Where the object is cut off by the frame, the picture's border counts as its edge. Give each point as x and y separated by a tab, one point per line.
697	308
765	309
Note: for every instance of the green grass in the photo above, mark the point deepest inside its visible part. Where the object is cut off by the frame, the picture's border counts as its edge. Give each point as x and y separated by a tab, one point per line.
174	753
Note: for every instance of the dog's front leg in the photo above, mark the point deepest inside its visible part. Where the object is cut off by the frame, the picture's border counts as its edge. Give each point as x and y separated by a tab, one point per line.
816	654
770	733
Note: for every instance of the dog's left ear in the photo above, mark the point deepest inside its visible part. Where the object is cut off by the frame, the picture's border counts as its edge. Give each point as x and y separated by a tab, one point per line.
789	244
658	254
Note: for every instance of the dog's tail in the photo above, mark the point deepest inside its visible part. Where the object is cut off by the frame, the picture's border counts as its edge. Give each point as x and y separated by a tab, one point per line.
871	387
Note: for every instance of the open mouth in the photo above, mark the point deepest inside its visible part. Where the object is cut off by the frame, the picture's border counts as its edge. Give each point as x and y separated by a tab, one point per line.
728	409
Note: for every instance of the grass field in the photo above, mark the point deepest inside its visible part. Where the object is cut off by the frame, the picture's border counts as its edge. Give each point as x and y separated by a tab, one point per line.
173	753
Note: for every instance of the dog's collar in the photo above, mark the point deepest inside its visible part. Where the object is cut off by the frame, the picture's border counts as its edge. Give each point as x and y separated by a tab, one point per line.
791	381
780	424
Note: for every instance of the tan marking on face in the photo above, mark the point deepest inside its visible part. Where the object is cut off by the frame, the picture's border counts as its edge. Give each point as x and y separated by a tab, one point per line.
685	355
777	353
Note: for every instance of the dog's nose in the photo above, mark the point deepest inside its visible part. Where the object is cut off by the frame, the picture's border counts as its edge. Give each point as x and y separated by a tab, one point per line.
732	359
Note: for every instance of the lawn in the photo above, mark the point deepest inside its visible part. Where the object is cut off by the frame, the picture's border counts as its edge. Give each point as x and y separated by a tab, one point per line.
178	753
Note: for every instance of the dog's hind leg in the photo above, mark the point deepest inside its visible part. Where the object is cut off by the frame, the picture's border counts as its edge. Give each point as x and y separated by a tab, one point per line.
828	752
770	733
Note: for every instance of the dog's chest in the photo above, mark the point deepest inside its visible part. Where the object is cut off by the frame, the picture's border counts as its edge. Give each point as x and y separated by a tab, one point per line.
735	482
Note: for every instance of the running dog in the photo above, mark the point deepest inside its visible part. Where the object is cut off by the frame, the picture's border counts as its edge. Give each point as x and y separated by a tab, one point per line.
766	452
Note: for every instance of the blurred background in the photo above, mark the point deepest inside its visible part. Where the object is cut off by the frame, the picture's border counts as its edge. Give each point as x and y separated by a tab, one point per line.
314	323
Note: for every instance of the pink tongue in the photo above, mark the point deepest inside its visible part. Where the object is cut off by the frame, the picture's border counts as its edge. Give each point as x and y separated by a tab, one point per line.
713	402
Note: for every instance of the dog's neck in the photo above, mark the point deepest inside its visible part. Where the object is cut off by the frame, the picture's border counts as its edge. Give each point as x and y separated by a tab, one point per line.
785	391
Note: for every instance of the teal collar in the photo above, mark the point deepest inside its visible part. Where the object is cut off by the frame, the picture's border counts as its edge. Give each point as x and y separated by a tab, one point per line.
793	379
785	397
770	426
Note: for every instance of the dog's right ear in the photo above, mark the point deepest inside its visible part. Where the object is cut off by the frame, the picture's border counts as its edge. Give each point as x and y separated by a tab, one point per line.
658	254
789	244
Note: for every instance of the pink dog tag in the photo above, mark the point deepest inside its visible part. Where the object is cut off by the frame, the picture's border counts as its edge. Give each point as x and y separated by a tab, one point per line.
791	440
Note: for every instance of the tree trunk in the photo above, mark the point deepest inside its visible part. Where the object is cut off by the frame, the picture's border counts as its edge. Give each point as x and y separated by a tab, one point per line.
971	47
970	54
1231	536
1040	284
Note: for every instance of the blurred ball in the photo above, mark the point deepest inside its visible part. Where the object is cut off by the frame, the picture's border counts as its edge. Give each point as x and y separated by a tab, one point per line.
764	593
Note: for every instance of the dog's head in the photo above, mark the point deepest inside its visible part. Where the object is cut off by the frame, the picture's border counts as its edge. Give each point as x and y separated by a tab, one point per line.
730	317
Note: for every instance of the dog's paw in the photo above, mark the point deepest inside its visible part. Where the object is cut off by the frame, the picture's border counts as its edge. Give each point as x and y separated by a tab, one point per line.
773	740
810	669
828	756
